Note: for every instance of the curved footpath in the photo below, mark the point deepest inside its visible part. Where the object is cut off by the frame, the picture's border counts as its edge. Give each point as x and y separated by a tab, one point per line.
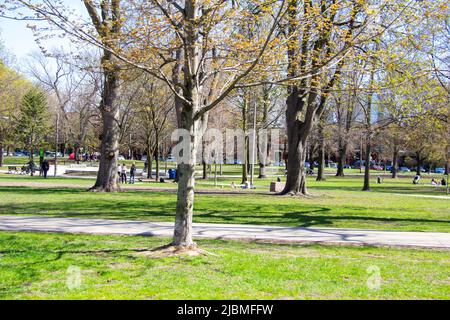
229	232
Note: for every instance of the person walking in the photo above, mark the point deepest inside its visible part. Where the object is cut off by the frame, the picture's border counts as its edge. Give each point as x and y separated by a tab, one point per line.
45	167
133	173
123	173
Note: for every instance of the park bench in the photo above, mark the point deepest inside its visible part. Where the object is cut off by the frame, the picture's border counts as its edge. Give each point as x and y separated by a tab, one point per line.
25	169
77	166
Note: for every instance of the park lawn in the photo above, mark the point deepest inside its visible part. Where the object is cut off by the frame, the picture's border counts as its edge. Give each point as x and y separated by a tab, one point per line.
349	183
40	181
17	160
336	203
45	266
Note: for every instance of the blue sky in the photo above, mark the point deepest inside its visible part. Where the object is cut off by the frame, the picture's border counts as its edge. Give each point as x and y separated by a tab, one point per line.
19	40
17	37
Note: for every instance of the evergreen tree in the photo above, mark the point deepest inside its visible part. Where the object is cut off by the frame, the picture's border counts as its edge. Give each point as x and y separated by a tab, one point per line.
31	124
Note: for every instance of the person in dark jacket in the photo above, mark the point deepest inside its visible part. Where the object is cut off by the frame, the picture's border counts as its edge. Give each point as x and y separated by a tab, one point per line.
133	174
45	168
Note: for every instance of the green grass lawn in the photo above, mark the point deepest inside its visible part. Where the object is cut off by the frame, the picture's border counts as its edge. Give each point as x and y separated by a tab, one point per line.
45	266
336	203
16	160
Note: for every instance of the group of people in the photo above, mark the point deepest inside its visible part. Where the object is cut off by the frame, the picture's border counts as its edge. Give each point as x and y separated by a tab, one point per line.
85	157
123	174
45	167
434	182
244	185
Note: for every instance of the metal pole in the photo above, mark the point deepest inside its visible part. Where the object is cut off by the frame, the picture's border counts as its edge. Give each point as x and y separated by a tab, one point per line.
215	174
361	153
253	147
130	153
56	143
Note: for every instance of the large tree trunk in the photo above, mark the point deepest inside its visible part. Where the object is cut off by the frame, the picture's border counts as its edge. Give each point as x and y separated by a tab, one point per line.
150	164
157	175
186	184
108	175
447	149
77	153
192	93
298	107
419	163
366	186
264	125
31	157
1	152
157	155
342	146
368	113
343	137
395	163
342	158
447	163
176	78
321	167
297	136
185	205
296	178
205	170
108	27
262	171
149	151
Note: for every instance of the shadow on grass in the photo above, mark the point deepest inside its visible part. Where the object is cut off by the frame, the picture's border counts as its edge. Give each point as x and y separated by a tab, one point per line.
392	189
42	191
160	206
164	211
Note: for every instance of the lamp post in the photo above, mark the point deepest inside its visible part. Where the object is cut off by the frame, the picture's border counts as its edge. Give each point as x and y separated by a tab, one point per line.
215	174
253	147
56	143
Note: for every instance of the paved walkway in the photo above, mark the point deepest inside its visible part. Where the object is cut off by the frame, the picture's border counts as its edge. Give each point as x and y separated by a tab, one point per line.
229	231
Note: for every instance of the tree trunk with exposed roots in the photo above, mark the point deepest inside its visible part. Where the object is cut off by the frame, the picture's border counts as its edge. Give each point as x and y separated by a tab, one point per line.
186	183
107	176
108	27
297	134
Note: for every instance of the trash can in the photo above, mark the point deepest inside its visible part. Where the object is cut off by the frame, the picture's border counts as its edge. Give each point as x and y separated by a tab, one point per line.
172	174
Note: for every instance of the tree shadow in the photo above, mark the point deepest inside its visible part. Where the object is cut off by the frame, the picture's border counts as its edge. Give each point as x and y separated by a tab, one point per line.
391	189
159	206
41	191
